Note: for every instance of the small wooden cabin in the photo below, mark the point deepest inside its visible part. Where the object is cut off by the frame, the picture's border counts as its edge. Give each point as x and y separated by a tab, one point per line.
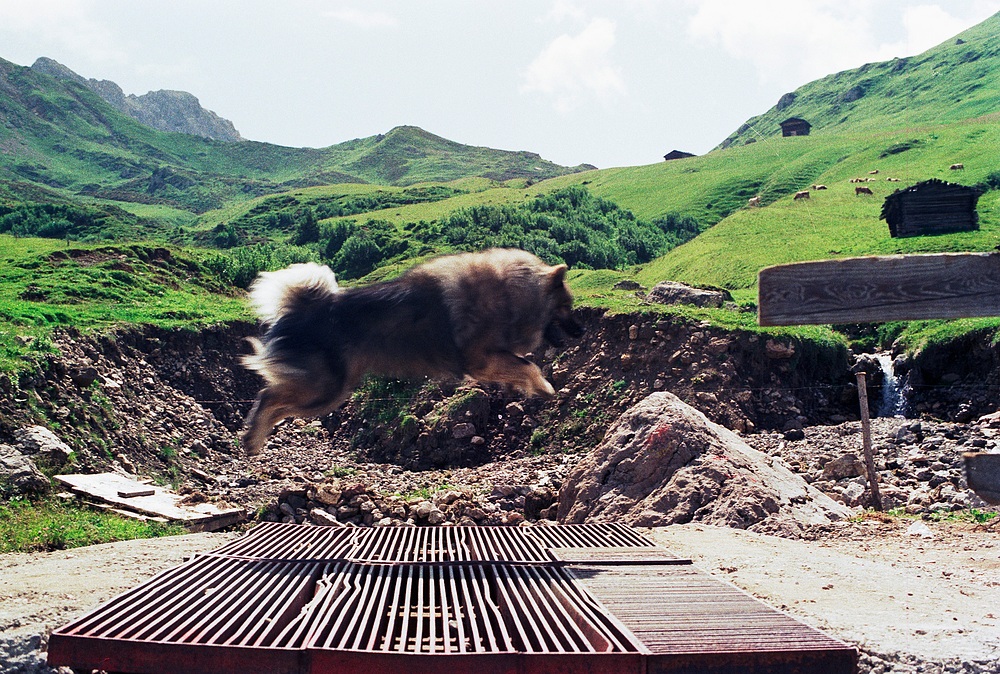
676	154
931	207
795	126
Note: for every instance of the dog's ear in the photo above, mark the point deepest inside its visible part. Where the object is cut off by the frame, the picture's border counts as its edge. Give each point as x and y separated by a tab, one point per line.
557	274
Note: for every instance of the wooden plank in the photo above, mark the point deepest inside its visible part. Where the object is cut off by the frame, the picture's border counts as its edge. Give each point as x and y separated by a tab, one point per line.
107	487
879	289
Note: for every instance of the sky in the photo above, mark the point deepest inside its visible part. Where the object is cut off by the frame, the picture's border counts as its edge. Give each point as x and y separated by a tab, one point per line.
608	83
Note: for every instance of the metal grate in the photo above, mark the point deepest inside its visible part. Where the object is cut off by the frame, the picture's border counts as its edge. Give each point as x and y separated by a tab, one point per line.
288	598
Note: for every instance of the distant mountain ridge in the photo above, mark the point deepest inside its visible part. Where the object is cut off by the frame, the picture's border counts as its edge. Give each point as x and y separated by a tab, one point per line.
953	81
163	110
60	134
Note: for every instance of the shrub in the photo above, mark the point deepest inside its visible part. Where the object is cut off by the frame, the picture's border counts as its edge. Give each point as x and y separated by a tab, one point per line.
240	266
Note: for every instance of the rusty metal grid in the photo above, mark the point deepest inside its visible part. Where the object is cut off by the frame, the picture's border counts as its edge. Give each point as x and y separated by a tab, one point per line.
289	598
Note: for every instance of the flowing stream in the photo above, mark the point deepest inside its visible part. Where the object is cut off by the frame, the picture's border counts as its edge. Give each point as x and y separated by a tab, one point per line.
892	403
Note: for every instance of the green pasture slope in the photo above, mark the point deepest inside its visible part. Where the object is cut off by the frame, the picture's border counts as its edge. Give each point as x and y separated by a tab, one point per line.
909	119
46	284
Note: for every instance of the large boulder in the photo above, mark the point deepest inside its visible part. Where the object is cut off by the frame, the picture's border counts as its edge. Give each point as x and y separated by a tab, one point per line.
663	462
43	445
19	475
672	292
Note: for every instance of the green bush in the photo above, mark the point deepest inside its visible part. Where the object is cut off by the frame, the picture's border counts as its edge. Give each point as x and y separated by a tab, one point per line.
569	225
240	266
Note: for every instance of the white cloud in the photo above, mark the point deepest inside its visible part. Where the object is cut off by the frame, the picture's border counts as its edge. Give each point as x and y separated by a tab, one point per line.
789	39
62	24
793	42
925	26
363	18
573	68
565	9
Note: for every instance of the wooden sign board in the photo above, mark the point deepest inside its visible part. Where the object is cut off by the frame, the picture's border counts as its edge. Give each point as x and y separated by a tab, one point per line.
878	289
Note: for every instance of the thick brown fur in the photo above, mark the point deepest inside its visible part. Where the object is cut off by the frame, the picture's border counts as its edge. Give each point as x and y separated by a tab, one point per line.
474	314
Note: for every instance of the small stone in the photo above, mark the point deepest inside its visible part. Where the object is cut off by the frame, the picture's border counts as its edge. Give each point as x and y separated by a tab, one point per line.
464	430
323	518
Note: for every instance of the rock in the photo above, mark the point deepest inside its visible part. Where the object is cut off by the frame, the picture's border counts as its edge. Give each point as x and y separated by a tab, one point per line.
83	376
460	431
843	467
323	518
672	292
627	285
664	462
435	516
537	500
853	494
38	441
327	493
794	434
778	351
19	475
423	509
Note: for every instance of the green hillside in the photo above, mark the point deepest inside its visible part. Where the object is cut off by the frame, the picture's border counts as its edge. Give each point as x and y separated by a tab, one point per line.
60	135
955	81
73	168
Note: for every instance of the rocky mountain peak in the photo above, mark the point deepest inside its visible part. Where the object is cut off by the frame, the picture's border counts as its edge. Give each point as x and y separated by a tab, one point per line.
171	111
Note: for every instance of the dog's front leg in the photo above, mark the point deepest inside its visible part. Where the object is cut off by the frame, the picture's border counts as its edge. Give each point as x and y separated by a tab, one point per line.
503	367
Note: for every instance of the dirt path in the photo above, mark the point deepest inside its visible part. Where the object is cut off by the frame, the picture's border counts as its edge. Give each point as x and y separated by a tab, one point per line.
906	600
899	596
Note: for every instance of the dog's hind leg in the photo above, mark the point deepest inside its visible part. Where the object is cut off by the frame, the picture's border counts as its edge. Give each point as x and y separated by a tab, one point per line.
503	367
277	402
267	411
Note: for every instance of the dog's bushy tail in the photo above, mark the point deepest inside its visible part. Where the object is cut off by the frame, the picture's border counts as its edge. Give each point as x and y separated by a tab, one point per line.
276	293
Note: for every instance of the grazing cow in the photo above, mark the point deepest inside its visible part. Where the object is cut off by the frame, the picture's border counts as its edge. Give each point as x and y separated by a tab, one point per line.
804	194
862	190
871	173
819	187
753	202
893	180
957	167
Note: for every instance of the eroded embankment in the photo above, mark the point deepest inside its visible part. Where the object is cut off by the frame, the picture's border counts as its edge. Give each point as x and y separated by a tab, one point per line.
165	402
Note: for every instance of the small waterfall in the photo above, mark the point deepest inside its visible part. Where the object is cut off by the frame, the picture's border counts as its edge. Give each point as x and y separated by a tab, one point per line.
892	403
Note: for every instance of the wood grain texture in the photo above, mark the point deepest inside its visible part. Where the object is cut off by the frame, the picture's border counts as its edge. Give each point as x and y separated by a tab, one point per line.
879	289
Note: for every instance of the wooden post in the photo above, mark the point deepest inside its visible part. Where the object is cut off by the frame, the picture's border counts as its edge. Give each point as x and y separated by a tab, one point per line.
866	433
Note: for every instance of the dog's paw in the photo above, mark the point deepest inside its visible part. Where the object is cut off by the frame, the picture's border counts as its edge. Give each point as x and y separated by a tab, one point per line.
544	389
251	445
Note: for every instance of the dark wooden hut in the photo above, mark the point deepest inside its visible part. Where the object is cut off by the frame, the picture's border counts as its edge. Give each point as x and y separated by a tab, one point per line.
795	126
931	207
676	154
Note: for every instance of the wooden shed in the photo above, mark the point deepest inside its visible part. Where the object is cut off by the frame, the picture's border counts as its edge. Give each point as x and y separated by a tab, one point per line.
676	154
931	207
795	126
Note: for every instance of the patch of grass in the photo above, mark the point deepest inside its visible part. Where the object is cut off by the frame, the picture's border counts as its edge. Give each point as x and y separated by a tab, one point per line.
425	493
33	526
46	285
969	515
339	471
